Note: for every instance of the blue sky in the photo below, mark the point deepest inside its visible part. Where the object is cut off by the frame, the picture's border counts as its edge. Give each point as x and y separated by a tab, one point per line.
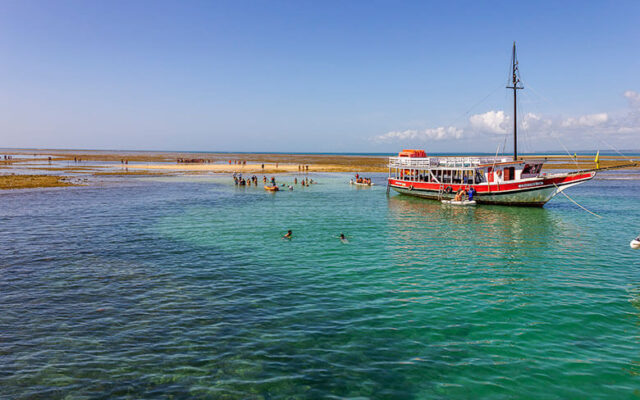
322	76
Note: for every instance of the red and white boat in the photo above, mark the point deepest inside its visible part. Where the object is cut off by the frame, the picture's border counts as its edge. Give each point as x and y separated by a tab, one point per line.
504	180
495	181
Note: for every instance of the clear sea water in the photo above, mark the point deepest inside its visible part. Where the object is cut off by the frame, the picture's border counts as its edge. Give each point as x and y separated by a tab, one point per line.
183	288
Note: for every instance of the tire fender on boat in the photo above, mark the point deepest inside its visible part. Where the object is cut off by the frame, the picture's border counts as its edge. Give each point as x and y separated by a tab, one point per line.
411	187
448	189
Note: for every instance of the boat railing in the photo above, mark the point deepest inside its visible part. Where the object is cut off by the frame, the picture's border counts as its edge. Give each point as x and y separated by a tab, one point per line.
413	162
444	162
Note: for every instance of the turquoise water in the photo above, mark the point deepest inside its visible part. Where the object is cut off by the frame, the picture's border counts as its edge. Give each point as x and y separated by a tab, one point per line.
184	288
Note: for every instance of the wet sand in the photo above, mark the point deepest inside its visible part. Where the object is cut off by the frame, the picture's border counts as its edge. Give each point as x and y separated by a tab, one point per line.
32	181
254	168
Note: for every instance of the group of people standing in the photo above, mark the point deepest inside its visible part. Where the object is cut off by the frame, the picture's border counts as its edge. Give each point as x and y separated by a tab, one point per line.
301	168
303	181
193	161
240	181
253	180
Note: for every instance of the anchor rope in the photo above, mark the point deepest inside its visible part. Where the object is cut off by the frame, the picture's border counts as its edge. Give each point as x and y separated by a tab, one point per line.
575	202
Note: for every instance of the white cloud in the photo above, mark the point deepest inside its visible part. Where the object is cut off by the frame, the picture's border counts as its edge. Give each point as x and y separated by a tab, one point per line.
633	97
491	122
530	120
440	133
535	122
590	120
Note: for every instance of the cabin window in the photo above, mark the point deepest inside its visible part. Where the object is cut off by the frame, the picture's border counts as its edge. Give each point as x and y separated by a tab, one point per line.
530	170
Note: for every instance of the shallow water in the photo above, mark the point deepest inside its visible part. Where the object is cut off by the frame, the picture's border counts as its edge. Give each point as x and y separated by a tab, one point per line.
183	287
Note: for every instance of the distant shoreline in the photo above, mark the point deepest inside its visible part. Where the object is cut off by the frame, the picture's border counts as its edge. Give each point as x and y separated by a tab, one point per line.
626	153
273	162
66	165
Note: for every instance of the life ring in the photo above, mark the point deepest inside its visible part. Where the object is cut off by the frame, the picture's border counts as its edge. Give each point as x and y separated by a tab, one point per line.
448	189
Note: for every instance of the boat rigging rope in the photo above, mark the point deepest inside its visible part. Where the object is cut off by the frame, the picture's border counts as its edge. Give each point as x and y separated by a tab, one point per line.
575	160
616	150
504	144
466	113
575	202
553	133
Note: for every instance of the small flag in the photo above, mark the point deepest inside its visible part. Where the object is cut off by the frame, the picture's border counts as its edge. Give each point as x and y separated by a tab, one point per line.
597	160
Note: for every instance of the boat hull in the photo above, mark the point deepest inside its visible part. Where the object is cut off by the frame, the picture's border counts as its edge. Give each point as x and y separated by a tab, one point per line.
460	203
362	184
529	193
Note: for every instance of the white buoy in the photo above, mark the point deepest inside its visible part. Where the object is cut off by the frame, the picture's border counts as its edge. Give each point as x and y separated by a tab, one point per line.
635	243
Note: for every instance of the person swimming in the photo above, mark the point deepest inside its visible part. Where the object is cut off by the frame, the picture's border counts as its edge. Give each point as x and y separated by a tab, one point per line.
343	239
288	235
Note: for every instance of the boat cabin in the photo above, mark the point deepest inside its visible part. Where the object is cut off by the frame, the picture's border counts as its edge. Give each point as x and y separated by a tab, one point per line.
415	166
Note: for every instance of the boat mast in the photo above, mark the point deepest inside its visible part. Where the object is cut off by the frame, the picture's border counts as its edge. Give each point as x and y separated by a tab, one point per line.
515	85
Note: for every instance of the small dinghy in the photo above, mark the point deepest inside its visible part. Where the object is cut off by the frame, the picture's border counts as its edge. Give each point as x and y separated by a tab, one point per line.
635	243
271	188
352	182
463	203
